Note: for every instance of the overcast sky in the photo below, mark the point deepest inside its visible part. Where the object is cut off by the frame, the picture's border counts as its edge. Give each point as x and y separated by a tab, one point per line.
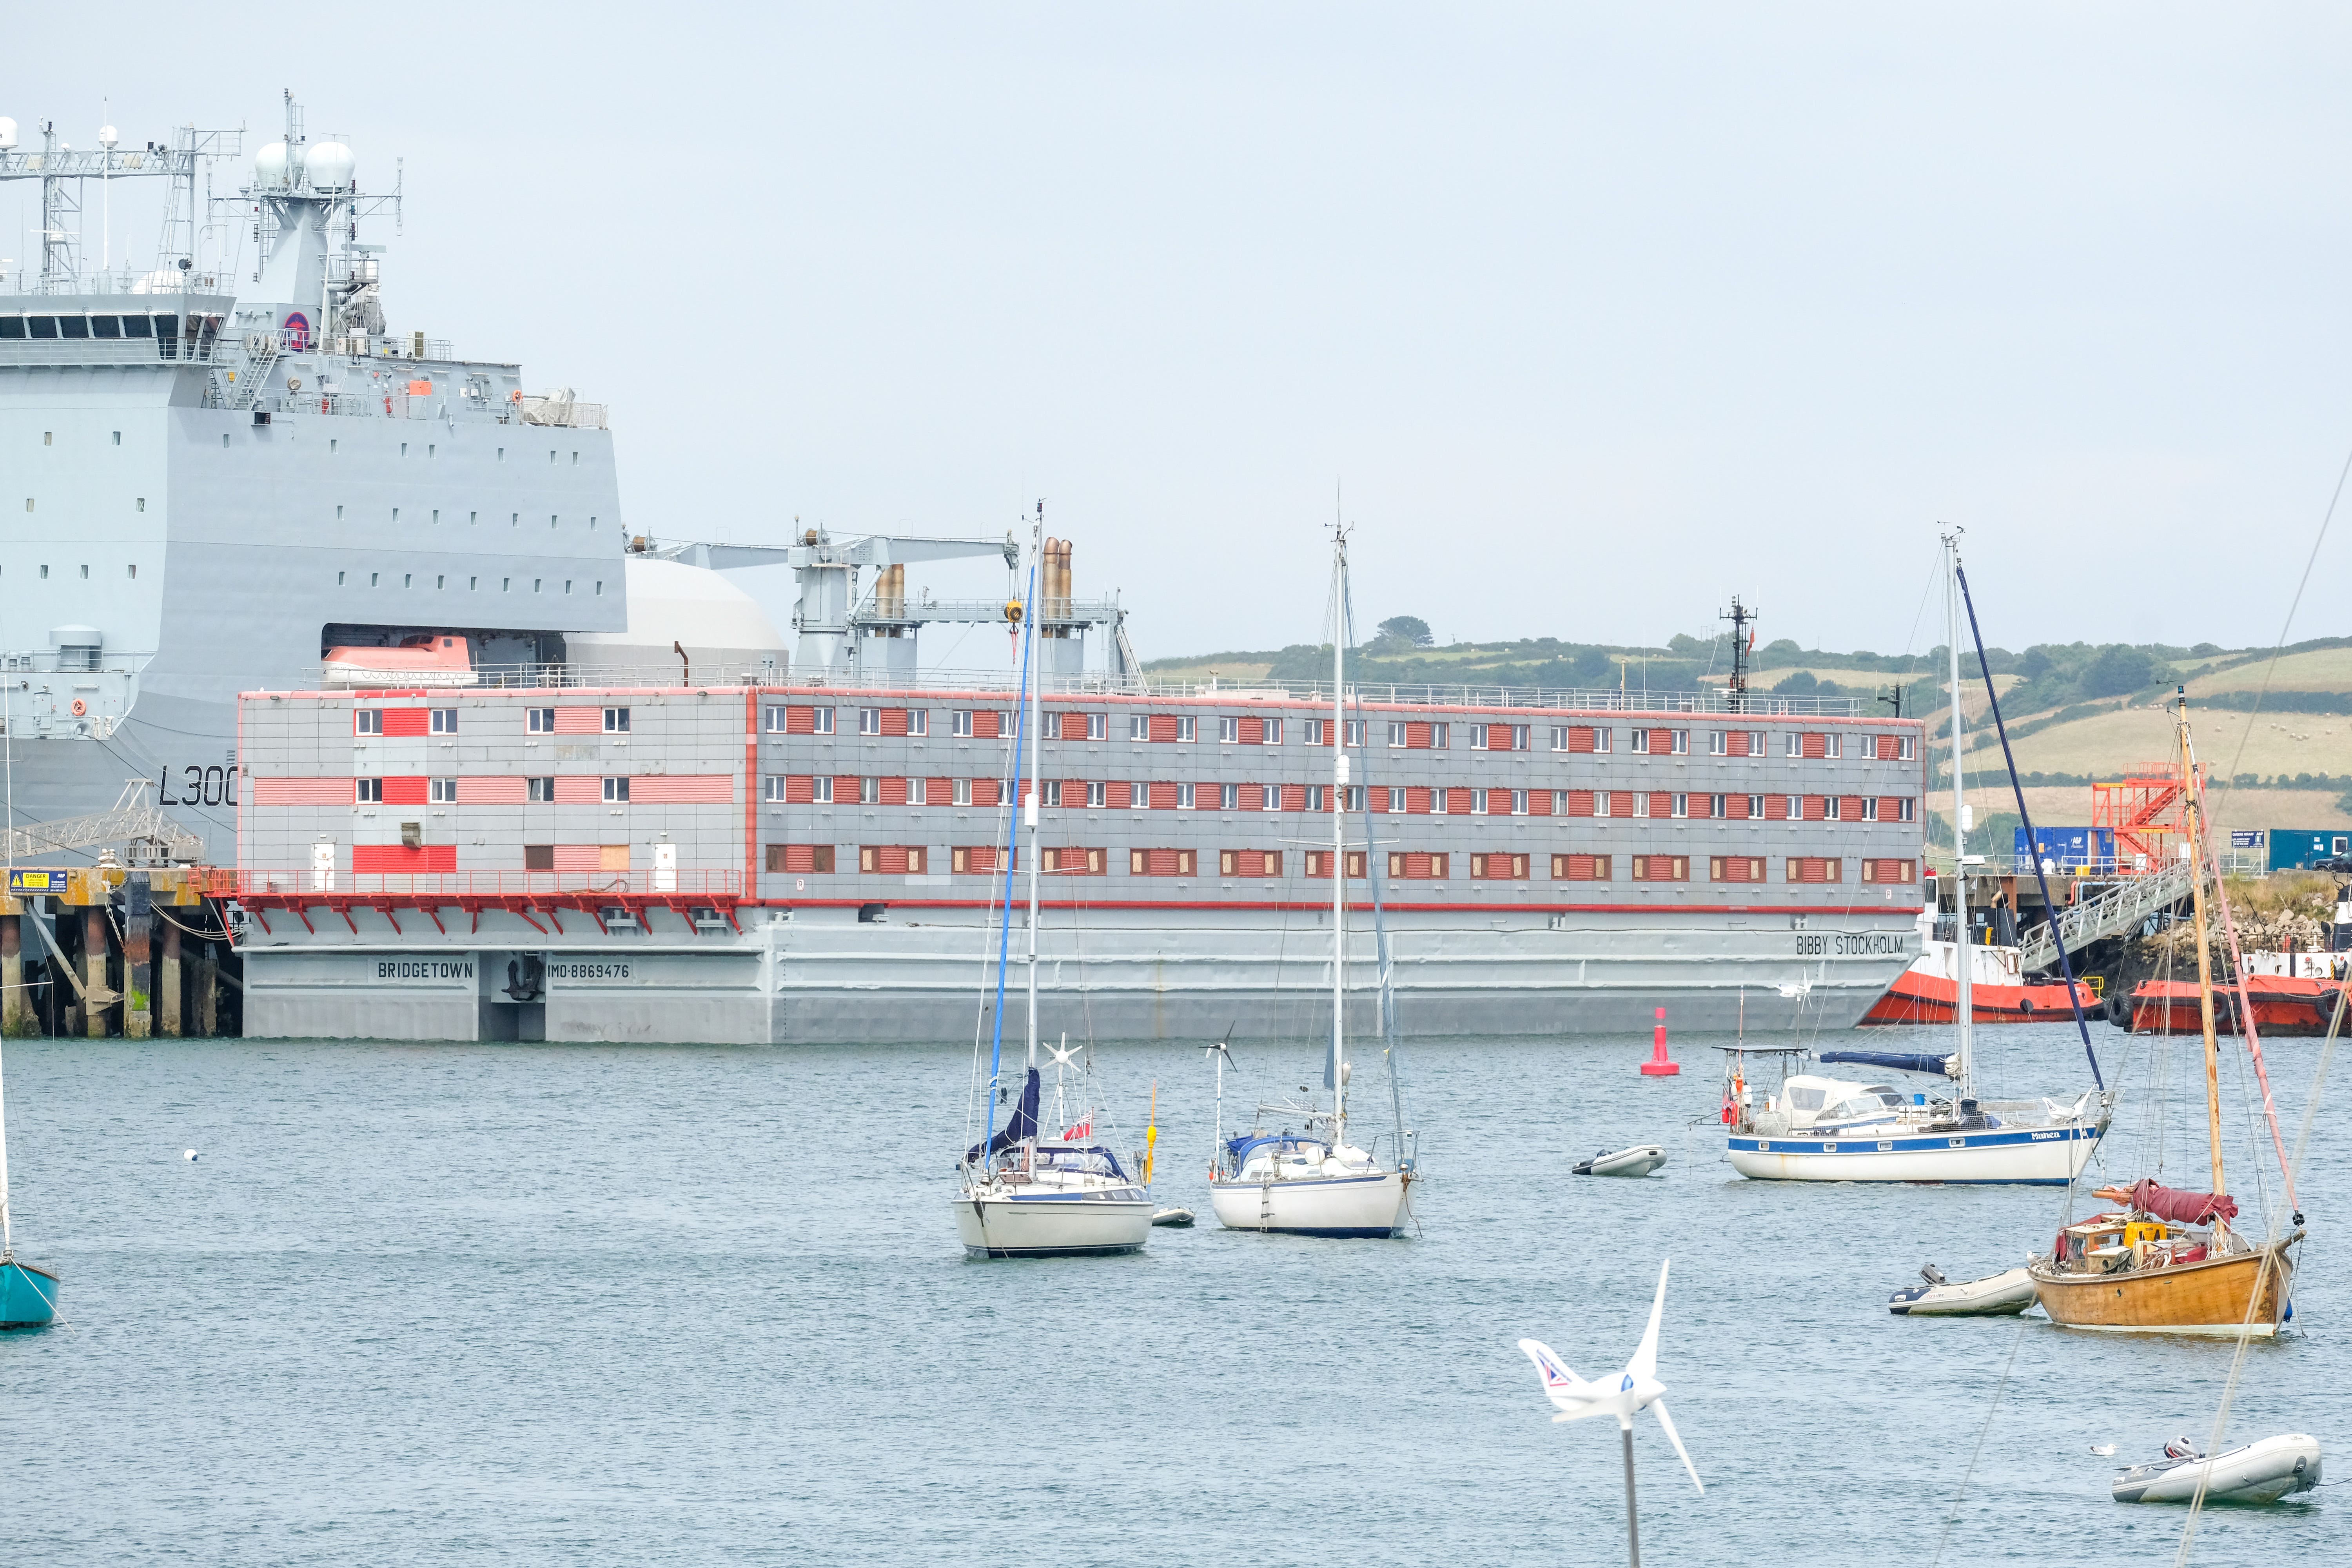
1598	314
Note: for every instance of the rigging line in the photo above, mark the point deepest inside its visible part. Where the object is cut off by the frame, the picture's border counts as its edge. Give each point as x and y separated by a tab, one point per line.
1953	1518
2270	669
2253	1300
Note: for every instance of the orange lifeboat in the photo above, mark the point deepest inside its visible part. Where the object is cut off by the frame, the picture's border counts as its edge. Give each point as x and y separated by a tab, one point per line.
417	661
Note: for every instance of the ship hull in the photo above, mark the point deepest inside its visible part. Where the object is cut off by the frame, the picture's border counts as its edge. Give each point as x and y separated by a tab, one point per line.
1363	1207
2039	1156
28	1296
1917	997
1061	1226
822	976
2209	1297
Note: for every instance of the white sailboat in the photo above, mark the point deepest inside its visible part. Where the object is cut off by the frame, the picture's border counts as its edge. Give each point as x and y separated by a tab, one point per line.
1022	1195
1823	1129
1307	1179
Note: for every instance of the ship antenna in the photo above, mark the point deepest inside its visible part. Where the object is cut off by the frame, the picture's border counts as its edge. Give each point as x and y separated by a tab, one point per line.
1739	616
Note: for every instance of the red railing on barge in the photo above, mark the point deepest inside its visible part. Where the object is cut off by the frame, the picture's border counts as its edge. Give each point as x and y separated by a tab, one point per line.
528	895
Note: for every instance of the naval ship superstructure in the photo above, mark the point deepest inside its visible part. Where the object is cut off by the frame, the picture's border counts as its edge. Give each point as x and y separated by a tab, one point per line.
214	468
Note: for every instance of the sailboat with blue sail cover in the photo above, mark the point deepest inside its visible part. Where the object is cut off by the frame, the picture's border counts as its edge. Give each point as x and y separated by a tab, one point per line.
1822	1129
29	1294
1022	1193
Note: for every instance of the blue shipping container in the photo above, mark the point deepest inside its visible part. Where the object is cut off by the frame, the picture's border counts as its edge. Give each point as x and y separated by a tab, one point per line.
2068	847
2294	849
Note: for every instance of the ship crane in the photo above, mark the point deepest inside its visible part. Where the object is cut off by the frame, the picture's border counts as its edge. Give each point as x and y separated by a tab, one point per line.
846	634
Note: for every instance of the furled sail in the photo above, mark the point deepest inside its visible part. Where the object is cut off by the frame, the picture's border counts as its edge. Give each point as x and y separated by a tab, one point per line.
1023	1127
1900	1061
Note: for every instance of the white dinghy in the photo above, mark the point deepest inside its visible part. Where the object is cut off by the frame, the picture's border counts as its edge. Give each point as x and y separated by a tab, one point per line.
1638	1161
2003	1295
2257	1473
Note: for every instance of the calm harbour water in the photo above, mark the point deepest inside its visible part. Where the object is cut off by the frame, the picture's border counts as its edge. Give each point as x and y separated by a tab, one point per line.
689	1305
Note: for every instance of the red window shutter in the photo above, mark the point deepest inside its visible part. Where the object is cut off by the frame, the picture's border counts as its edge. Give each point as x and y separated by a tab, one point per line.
1776	808
1416	865
1160	862
800	721
1416	735
1253	730
403	721
396	859
894	791
1817	745
846	788
1579	737
1538	803
1580	802
1662	742
1294	797
1850	807
1736	743
1890	808
1330	732
887	859
1816	808
1163	798
983	724
1164	726
405	791
1621	802
1417	799
987	792
1662	803
800	789
894	721
1457	802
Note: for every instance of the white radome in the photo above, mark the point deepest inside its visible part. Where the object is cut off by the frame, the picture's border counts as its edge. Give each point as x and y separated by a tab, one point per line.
7	133
329	165
270	164
670	602
107	137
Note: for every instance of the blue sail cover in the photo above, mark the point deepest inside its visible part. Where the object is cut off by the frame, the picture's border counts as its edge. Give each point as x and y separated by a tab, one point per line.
1023	1127
1900	1061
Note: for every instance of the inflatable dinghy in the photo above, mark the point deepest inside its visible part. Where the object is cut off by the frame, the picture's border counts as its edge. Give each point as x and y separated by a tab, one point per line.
1995	1295
1180	1218
1638	1161
2259	1472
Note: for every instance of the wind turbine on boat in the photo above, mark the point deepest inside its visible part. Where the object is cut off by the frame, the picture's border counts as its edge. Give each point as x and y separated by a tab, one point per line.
1624	1393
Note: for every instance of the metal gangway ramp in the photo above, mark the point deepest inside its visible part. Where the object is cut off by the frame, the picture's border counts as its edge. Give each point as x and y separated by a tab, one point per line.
2121	907
134	821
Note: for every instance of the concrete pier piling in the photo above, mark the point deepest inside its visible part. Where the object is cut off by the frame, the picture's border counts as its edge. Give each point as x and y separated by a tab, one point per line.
168	1008
16	1009
94	947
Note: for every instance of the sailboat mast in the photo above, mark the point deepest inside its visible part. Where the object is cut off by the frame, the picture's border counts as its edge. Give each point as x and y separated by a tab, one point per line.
1963	957
1338	839
7	1237
2204	957
1036	750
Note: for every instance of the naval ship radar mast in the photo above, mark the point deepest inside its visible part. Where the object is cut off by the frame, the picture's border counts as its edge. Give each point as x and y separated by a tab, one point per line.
1743	642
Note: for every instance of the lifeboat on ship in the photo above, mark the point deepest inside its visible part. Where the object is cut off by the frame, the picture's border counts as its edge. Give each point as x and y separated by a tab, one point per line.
1927	992
416	661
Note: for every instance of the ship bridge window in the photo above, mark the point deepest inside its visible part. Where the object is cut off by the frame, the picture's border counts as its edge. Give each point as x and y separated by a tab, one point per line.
42	326
12	327
73	326
106	326
138	327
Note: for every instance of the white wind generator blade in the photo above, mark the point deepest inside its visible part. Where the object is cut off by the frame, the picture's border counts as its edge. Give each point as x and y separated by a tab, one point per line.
1658	1409
1557	1379
1644	1363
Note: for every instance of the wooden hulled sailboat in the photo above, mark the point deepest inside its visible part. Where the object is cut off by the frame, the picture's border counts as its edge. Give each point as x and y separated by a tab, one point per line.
2170	1262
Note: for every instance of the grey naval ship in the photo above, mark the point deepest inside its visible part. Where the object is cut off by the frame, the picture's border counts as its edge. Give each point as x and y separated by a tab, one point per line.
359	621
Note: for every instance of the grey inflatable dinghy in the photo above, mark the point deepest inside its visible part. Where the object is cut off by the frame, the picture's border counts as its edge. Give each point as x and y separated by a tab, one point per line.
2258	1472
1995	1295
1638	1161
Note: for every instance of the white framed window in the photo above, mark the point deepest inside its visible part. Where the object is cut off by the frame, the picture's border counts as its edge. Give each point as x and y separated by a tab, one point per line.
1559	802
1098	794
371	792
1437	741
1834	746
1903	749
1315	732
1796	808
616	721
1097	726
1682	742
1520	736
1518	803
1396	800
869	792
540	722
444	720
961	792
1351	798
1755	743
1796	744
441	792
1641	741
1049	793
1478	802
821	790
1640	802
916	791
367	721
1601	803
1559	737
616	791
1138	726
1273	731
1315	799
918	721
1138	796
959	723
773	720
1908	804
1602	739
1186	799
823	718
1269	798
1478	737
1187	729
1353	732
1718	807
1229	729
771	788
1681	806
1719	743
1870	808
1229	797
1438	802
1396	734
540	791
1832	807
869	721
1756	808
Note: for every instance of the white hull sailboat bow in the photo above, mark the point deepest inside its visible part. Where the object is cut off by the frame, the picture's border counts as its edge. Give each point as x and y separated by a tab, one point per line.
2039	1156
1002	1223
1365	1205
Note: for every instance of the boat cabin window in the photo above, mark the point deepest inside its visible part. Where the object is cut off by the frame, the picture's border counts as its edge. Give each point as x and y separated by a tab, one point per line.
1806	1099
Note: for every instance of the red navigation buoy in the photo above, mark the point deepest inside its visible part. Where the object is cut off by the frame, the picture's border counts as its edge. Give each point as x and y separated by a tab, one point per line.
1660	1065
